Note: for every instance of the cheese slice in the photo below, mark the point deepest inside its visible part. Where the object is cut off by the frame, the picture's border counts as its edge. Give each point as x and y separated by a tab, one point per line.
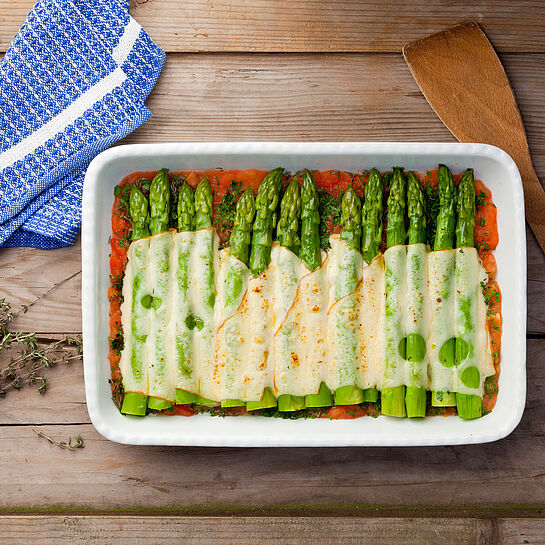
162	376
473	358
370	302
232	281
181	314
417	315
441	267
287	271
203	298
301	338
135	318
395	304
345	271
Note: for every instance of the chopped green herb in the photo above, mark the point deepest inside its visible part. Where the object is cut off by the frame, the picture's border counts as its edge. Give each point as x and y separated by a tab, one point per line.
432	211
117	343
480	200
226	209
330	214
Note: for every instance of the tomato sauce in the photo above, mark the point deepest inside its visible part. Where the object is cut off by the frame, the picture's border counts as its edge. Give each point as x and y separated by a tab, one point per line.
334	182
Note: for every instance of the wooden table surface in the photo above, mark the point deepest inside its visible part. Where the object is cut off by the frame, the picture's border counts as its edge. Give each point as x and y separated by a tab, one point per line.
276	70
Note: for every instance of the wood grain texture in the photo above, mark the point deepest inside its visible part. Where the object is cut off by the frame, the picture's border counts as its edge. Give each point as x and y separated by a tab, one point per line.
464	81
507	475
62	403
315	97
314	25
134	530
27	274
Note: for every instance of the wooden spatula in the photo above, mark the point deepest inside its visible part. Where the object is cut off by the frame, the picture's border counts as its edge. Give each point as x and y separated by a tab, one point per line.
462	78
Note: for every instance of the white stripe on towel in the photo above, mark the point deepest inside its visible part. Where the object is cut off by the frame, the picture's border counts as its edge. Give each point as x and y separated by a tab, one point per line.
63	119
126	42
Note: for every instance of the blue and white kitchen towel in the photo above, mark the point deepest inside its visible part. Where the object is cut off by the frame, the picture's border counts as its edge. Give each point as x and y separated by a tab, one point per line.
72	83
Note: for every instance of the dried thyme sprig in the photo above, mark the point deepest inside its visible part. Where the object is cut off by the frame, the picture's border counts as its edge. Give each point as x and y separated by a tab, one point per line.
33	357
33	354
78	441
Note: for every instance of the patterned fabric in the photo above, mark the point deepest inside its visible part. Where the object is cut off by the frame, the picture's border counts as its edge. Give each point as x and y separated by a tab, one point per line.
72	83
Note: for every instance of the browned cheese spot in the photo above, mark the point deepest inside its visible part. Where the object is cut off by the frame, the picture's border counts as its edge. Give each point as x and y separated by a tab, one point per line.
264	362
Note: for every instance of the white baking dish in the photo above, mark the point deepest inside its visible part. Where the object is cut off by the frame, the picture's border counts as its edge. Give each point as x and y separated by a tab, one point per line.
491	165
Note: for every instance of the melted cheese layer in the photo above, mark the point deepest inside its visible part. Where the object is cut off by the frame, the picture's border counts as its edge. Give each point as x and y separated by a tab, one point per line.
212	329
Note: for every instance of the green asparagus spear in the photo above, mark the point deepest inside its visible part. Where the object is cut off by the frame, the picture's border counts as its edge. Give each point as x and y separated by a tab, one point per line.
351	220
310	223
415	348
265	221
416	210
239	242
444	240
371	218
133	402
287	232
312	257
393	398
395	228
347	281
241	236
371	215
267	401
186	208
203	220
183	338
159	198
139	211
260	255
465	225
203	205
446	219
468	405
287	229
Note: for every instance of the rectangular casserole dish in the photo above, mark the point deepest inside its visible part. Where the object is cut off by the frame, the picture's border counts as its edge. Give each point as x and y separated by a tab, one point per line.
493	166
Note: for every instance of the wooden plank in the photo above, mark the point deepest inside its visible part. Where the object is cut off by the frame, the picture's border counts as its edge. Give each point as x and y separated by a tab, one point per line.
277	97
62	403
136	530
313	25
536	285
520	531
27	274
507	475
